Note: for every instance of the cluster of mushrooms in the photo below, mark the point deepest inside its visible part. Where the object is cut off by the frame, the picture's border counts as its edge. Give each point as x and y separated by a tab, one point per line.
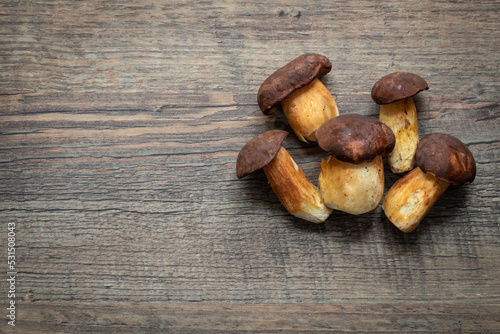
352	178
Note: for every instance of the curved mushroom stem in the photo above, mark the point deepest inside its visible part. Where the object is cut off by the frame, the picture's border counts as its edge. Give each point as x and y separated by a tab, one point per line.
352	188
409	200
401	117
297	194
308	108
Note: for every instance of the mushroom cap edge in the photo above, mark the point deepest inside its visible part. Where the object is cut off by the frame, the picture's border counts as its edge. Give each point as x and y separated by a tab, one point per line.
259	151
286	80
355	138
397	86
447	158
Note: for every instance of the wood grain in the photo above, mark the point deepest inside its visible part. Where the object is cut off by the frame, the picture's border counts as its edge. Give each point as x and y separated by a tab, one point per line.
260	318
120	124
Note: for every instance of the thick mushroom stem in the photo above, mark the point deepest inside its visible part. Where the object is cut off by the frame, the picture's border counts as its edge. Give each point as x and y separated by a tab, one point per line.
409	200
297	194
401	117
308	108
352	188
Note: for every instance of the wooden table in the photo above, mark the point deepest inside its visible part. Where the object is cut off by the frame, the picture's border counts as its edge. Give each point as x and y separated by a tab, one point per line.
120	126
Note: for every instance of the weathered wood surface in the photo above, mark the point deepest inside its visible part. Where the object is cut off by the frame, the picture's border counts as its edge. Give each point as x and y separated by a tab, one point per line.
261	318
120	126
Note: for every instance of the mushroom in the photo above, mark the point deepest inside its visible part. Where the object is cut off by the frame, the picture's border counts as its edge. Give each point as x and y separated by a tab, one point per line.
305	100
299	196
442	160
394	93
352	179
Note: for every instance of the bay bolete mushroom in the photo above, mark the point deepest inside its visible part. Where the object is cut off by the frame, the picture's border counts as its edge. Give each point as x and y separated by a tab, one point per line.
394	93
352	179
442	160
297	194
305	100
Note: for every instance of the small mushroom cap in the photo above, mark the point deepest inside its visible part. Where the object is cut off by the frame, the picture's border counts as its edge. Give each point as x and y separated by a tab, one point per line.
258	152
355	138
447	158
397	86
284	82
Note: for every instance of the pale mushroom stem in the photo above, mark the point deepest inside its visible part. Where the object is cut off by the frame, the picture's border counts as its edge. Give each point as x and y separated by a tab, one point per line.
409	200
308	108
401	117
297	194
352	188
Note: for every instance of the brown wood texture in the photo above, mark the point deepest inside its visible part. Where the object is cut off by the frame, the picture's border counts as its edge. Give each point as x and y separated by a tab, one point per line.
120	123
261	318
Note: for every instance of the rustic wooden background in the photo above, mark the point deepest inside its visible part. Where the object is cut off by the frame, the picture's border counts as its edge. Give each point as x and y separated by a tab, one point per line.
120	125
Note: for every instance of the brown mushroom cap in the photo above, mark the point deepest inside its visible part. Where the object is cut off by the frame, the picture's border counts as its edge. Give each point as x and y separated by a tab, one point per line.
355	138
397	86
258	152
295	75
447	158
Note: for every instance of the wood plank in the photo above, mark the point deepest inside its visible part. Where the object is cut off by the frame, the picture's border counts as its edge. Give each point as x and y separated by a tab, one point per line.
37	318
120	124
99	181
